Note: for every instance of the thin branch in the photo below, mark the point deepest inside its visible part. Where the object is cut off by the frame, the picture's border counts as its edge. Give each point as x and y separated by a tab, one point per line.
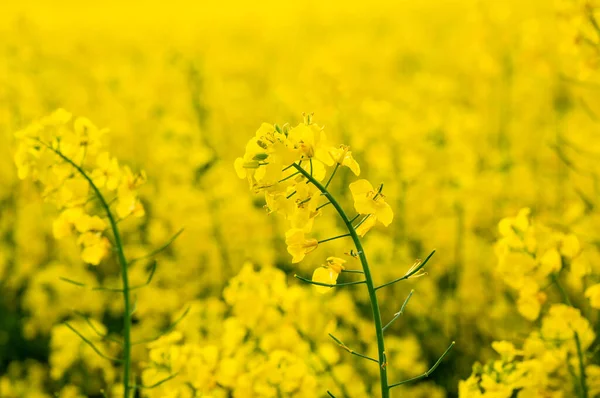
62	278
399	313
114	289
160	249
354	219
88	342
408	275
345	347
323	205
334	238
167	330
429	372
290	176
328	284
361	221
337	165
103	336
141	386
288	167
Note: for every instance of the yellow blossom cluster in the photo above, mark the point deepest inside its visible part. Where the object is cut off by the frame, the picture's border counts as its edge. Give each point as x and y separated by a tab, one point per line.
277	162
65	156
531	254
269	344
556	359
547	364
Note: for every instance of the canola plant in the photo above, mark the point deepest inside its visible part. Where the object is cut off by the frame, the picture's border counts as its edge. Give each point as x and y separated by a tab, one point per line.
393	199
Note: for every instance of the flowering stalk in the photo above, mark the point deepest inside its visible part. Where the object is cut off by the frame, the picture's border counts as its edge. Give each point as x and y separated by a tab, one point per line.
124	272
66	157
288	165
368	279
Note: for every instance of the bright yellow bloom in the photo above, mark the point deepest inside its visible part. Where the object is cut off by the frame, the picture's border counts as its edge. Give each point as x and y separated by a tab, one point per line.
343	157
328	273
593	294
95	247
368	201
513	229
550	262
366	226
63	225
570	246
562	321
297	245
506	349
128	202
311	141
530	300
108	172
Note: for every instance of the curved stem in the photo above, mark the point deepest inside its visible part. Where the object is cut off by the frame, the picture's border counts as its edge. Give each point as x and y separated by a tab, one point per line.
124	274
385	393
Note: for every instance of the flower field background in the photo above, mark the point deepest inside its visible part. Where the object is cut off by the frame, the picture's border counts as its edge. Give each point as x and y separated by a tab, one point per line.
480	118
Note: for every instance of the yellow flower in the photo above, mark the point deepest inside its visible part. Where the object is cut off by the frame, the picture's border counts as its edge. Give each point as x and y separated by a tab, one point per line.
343	157
510	225
593	293
87	223
304	211
560	323
312	142
550	262
95	247
570	246
513	229
366	226
530	300
328	273
297	245
63	225
506	349
108	172
369	201
128	202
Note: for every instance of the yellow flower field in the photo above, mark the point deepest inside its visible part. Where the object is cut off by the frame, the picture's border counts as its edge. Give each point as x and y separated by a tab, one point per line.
313	199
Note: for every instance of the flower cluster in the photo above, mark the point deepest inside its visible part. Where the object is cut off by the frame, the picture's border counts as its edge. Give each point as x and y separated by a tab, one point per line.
545	364
261	349
269	343
277	162
529	254
65	156
556	358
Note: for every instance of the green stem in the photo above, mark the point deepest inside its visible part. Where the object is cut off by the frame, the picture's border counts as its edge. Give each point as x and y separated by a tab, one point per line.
429	372
409	274
399	313
337	165
385	393
124	273
328	284
334	238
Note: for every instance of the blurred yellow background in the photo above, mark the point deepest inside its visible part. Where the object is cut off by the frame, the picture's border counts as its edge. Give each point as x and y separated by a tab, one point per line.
467	110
